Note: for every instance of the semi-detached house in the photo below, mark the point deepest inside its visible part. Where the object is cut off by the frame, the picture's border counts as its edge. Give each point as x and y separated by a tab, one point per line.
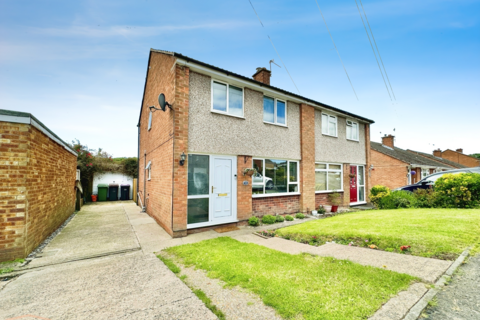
193	155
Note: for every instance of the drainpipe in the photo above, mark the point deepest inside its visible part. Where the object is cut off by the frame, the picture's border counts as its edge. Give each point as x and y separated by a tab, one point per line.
145	180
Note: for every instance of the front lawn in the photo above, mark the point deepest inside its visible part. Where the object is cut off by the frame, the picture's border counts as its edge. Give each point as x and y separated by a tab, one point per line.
297	286
435	233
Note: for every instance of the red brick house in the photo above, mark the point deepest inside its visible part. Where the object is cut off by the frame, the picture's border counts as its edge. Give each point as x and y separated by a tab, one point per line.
457	156
439	159
217	124
394	167
37	187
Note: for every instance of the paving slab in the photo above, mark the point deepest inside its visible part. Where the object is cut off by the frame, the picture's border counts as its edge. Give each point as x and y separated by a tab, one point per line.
429	270
128	286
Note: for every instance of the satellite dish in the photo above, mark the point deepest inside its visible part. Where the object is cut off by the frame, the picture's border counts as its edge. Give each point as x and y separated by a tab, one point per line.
162	102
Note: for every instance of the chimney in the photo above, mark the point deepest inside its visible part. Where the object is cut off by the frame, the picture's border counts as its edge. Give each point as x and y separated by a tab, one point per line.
262	75
388	140
437	153
459	150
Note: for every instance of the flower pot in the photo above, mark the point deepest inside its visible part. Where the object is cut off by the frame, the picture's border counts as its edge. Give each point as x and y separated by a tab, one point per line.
328	208
334	208
94	198
249	173
314	213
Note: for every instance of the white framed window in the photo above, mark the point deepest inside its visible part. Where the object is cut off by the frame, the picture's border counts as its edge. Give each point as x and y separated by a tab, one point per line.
329	125
328	177
352	130
425	173
149	170
274	111
227	99
150	120
275	177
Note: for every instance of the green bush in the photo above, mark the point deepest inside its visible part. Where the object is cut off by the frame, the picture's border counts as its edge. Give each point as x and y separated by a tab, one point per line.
253	221
398	199
289	218
461	190
299	215
377	193
321	210
268	219
426	198
280	218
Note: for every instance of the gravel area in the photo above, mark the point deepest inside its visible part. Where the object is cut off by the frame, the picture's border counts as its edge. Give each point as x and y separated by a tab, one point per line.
461	298
236	303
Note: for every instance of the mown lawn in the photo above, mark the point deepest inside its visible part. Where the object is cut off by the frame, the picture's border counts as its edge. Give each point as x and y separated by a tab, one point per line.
435	233
297	286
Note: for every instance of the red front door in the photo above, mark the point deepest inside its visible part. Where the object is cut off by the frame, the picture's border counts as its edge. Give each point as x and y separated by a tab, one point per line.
353	184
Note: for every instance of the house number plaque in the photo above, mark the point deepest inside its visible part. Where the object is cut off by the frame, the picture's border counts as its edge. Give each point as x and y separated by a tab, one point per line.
245	183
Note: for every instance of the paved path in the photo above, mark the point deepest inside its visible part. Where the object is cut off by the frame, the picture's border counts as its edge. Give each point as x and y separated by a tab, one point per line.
461	298
72	282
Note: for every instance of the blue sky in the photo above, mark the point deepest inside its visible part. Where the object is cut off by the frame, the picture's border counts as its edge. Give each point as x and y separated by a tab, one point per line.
79	66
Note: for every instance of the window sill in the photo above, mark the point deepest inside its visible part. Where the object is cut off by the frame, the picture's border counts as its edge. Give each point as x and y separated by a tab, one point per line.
276	124
286	194
329	135
227	114
353	140
329	191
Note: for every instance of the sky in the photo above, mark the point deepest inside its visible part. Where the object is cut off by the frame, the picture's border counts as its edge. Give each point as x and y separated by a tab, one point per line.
80	66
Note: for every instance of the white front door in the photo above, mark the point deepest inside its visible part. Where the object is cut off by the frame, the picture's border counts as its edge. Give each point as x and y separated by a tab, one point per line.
223	188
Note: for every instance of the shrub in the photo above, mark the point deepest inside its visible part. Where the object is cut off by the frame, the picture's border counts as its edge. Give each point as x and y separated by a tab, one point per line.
398	199
280	218
289	218
461	190
377	193
253	221
334	198
299	215
268	219
321	210
426	198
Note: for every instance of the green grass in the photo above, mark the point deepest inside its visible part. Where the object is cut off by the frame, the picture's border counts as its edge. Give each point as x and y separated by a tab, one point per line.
297	286
436	233
170	264
5	270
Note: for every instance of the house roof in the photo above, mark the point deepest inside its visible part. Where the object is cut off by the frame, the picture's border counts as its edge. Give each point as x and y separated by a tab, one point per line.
406	156
257	83
28	118
445	161
460	153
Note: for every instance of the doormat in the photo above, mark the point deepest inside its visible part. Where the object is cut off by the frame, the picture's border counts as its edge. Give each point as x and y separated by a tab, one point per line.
226	229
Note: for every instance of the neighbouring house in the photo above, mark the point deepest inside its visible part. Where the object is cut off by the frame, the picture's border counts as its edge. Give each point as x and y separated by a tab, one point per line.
38	183
217	124
439	159
394	167
120	182
457	156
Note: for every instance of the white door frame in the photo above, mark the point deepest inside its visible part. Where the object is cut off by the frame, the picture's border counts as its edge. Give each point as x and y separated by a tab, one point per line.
233	218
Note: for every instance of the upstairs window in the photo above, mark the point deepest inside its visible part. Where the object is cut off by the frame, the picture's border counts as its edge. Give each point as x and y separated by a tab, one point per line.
274	111
227	99
352	130
329	125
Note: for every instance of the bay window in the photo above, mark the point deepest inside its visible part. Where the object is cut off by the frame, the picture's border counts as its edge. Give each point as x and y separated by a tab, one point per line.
328	177
275	177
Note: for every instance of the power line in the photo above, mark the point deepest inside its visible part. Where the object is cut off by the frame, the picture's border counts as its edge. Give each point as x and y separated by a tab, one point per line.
377	50
336	49
369	40
274	46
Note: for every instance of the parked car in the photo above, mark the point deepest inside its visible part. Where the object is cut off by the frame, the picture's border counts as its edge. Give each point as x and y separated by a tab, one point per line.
258	182
429	181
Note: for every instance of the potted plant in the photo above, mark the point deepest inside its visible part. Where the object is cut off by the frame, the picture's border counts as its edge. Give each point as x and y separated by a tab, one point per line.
335	200
314	213
321	210
249	172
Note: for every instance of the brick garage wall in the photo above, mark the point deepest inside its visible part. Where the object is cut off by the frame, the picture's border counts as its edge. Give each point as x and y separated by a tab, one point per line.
276	205
50	187
460	158
157	143
388	171
13	175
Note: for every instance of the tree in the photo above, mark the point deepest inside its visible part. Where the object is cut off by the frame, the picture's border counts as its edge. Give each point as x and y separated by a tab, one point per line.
475	155
130	167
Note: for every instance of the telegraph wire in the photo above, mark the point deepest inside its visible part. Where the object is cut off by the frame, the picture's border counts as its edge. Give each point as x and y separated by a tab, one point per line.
370	40
385	70
274	46
336	49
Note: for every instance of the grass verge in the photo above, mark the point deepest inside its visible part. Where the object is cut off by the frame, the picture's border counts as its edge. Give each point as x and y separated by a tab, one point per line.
296	285
199	293
433	233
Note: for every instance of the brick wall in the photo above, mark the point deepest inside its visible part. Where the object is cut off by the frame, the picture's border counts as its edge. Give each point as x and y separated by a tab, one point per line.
322	199
244	193
368	158
387	171
157	143
307	165
460	158
37	188
276	205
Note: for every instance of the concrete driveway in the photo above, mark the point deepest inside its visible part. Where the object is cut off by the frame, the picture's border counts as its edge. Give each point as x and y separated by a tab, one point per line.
96	268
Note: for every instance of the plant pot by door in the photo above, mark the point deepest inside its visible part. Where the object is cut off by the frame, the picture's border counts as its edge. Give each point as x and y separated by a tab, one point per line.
328	208
334	208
